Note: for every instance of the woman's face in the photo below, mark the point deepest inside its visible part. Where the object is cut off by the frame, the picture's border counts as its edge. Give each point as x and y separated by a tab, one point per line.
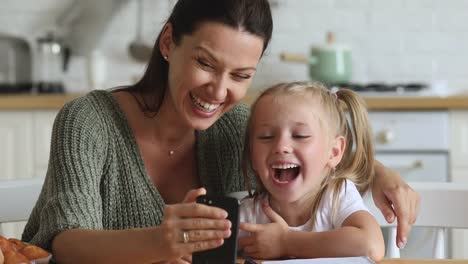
210	71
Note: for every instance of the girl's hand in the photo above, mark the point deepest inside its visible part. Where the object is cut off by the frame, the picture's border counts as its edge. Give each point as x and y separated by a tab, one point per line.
395	198
265	240
205	227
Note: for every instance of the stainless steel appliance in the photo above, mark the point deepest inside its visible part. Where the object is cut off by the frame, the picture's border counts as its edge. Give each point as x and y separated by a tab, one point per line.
15	65
51	62
416	144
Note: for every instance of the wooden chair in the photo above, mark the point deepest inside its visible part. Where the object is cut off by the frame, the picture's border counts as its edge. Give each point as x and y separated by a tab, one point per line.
17	198
444	205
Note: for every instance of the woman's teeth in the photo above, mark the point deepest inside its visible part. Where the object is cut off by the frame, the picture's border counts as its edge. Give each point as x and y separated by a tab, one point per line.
203	105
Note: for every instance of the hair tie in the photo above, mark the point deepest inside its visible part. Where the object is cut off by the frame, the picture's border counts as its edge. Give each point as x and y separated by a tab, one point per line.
335	95
332	91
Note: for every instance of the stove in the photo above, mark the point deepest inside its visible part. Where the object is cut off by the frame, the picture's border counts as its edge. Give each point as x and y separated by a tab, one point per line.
24	88
384	89
7	88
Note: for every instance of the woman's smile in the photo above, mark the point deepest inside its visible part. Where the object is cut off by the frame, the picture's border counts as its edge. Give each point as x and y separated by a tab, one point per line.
203	105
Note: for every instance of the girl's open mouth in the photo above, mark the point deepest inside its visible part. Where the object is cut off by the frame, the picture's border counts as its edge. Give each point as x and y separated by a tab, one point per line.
285	173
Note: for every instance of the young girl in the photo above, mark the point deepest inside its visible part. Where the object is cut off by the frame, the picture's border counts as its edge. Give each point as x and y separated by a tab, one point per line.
308	203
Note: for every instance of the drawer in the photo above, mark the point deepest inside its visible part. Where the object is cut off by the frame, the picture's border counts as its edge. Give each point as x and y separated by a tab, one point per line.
428	130
431	167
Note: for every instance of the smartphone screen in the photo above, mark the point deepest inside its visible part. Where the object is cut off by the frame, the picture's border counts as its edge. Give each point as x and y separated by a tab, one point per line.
226	253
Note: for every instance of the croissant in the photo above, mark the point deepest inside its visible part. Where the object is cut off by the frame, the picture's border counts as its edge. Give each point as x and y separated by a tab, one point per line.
17	244
15	251
13	257
34	252
5	245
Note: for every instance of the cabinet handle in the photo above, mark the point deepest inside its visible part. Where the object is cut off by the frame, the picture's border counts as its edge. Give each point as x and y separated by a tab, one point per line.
386	136
417	164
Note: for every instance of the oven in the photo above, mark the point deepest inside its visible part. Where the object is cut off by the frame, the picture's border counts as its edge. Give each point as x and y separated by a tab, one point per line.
416	144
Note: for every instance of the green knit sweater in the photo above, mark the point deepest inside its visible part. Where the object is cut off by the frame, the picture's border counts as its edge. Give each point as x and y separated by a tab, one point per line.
96	178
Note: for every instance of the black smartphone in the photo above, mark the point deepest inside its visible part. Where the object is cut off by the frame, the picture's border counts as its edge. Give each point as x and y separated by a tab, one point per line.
226	253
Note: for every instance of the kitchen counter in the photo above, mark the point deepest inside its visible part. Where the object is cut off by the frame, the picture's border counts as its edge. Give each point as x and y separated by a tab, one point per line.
44	101
35	102
417	103
402	261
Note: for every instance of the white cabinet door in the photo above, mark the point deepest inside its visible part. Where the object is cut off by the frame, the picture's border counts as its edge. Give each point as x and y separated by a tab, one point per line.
24	151
43	123
16	146
459	171
16	155
459	139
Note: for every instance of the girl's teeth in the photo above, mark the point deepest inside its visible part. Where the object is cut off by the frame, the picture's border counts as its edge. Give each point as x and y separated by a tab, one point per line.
284	166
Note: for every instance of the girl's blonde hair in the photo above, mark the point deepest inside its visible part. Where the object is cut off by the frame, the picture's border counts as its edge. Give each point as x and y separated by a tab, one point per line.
356	165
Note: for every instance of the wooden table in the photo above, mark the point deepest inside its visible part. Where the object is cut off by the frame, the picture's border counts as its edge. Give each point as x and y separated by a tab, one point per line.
406	261
423	261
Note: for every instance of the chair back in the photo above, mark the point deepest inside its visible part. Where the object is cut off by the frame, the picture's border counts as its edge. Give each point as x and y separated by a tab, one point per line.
444	205
18	197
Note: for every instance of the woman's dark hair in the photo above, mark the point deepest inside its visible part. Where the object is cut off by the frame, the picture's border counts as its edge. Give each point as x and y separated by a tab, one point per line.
253	16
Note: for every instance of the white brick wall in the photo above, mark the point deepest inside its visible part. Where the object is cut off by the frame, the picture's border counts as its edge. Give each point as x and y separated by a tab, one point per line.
392	41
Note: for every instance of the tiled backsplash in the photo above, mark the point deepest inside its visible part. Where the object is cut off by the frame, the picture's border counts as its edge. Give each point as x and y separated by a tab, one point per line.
391	41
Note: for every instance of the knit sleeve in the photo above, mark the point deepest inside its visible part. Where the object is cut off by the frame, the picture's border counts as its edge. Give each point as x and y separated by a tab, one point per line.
220	152
70	197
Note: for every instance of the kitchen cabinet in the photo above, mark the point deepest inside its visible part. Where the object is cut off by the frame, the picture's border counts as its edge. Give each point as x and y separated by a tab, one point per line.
43	122
443	138
459	140
459	170
416	145
24	143
24	150
16	145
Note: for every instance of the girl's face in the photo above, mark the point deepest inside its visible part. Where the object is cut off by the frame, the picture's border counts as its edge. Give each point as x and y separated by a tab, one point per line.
209	71
291	150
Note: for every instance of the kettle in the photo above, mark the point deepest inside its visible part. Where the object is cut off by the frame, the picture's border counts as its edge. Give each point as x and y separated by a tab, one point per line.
329	63
52	61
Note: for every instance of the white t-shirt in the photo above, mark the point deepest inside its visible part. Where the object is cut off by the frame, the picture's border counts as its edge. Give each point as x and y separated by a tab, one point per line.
350	201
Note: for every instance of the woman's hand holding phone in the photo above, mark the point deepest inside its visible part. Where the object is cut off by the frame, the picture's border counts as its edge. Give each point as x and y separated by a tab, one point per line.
227	253
189	227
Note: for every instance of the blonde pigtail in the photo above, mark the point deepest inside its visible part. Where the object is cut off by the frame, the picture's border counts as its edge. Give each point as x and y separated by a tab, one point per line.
357	165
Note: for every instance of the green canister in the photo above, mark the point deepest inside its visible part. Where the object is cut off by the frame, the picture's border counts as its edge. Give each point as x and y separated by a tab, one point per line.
329	63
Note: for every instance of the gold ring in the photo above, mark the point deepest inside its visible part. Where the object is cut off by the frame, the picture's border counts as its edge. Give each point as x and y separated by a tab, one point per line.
186	237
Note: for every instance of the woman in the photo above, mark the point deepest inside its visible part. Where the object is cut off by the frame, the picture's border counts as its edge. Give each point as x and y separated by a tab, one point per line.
126	164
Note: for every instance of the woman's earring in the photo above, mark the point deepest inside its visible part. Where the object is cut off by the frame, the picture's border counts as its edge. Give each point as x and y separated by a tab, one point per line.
165	57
